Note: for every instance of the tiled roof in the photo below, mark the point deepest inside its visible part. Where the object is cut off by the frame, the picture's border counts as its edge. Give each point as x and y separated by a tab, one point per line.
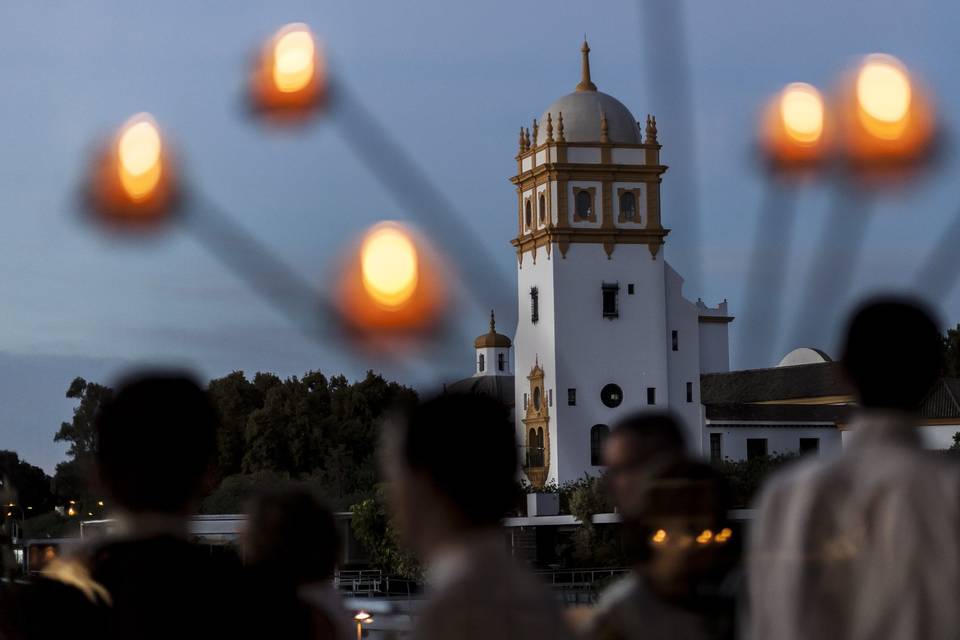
942	401
779	383
500	387
731	396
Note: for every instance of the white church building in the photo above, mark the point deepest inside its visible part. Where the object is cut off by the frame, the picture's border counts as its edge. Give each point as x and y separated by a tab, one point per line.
603	326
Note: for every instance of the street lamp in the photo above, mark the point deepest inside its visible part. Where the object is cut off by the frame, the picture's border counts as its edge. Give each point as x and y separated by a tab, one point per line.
391	281
289	79
886	116
793	127
133	181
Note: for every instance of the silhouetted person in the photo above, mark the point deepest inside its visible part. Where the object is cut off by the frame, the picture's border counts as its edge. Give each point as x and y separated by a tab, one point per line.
451	470
864	545
637	448
156	439
291	547
675	527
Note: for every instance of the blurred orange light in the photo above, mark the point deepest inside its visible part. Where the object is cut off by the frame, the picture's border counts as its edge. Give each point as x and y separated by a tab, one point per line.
659	537
801	109
139	157
391	281
361	616
293	59
883	96
389	265
794	126
132	178
723	535
290	77
887	117
705	536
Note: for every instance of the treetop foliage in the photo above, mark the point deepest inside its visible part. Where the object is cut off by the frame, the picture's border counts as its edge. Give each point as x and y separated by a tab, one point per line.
312	428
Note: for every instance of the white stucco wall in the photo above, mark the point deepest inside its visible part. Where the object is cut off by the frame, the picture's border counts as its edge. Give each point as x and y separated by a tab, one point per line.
490	356
938	436
535	342
628	156
780	439
714	347
584	155
684	363
578	348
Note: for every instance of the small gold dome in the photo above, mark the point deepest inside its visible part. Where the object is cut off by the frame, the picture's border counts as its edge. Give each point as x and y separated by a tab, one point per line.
492	339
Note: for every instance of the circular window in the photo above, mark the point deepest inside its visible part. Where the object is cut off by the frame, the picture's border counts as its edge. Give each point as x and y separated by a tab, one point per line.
536	399
611	395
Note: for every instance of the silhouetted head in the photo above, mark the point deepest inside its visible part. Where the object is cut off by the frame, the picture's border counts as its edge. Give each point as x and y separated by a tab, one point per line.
451	463
291	536
682	534
892	353
156	439
637	446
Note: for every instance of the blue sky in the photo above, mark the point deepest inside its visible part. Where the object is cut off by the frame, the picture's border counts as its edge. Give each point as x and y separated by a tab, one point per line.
452	82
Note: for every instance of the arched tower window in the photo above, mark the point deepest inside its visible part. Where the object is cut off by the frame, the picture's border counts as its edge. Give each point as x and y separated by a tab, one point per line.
584	204
543	209
598	434
481	364
628	206
528	215
535	448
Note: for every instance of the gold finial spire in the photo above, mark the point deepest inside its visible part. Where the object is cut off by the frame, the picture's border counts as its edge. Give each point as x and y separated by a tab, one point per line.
604	128
651	130
536	127
549	127
493	322
585	83
560	127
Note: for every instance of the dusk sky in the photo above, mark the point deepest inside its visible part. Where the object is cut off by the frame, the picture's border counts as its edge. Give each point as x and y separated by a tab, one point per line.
452	82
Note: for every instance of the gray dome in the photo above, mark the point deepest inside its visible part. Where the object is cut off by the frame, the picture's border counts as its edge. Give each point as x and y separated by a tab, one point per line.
582	111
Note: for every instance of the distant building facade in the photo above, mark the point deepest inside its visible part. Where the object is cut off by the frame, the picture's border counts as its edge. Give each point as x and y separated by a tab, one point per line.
803	405
604	329
603	326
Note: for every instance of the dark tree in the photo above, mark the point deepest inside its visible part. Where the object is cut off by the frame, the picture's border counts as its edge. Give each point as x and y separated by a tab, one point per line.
235	398
73	479
24	485
951	353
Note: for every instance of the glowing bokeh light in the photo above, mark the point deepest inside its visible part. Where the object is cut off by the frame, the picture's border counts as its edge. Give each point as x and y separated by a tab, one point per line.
139	155
294	58
801	110
705	536
723	535
883	89
659	537
389	265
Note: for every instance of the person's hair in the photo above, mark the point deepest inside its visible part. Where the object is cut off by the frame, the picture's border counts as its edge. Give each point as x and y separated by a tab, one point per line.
155	442
652	433
291	535
465	445
892	353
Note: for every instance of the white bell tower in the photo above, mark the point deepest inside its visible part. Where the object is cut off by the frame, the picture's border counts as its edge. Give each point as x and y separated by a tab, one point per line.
603	329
